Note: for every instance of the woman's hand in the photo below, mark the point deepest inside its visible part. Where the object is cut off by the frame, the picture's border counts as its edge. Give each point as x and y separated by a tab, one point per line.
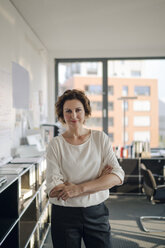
68	190
107	170
65	191
56	190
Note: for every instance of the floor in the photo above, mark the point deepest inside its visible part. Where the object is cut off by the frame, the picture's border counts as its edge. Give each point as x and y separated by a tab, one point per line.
127	231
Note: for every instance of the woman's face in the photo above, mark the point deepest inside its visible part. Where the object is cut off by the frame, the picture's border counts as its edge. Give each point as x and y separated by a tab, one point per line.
74	113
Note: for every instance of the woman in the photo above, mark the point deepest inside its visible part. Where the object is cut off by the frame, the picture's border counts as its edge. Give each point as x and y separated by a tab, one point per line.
81	168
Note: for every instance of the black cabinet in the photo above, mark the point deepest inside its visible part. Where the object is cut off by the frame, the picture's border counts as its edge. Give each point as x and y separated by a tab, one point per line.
133	179
24	208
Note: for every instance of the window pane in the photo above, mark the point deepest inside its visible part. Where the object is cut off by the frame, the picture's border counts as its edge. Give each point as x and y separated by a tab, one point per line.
141	106
142	136
135	73
143	79
110	121
92	68
126	136
142	90
110	90
142	121
76	75
125	91
126	121
94	121
93	89
125	105
96	105
110	106
111	136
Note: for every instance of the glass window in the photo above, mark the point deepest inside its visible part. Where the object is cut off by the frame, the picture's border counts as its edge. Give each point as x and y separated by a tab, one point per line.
125	91
111	121
67	70
142	121
76	68
141	105
142	90
126	121
92	68
93	89
72	75
110	106
110	90
96	105
125	105
111	136
142	136
143	78
135	73
126	136
94	122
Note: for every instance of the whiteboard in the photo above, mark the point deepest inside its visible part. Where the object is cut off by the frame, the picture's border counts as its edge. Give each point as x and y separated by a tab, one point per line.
5	112
20	82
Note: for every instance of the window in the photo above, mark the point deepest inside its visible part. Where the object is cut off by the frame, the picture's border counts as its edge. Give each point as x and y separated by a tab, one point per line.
76	68
92	68
111	121
135	73
125	91
93	89
96	105
70	69
110	106
126	121
143	78
110	90
125	105
141	106
111	136
94	122
141	121
142	136
126	136
142	90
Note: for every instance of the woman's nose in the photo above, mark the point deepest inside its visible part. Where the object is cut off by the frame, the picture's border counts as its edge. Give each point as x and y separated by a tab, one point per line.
73	114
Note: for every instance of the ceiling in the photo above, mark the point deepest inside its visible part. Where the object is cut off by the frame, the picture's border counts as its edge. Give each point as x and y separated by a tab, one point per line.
70	28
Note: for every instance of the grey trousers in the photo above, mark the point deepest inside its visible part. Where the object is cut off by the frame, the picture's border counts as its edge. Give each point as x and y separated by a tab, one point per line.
69	225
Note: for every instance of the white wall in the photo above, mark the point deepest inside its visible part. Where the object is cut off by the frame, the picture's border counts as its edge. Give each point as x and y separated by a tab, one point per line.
19	44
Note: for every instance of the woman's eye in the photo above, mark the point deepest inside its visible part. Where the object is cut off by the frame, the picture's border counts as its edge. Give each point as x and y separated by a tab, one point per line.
78	110
68	111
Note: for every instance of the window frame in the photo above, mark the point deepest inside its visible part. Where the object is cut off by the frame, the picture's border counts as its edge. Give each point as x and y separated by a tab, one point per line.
104	62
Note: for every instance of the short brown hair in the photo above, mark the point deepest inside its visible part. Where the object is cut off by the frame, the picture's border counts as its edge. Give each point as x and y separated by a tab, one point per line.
71	95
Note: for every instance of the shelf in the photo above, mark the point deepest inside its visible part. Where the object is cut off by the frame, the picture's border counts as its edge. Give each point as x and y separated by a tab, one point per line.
6	227
26	229
27	219
10	180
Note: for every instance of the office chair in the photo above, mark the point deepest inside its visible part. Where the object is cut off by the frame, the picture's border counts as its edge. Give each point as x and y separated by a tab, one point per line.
155	194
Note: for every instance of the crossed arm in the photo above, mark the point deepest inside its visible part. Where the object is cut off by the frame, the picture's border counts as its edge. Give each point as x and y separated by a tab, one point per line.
69	190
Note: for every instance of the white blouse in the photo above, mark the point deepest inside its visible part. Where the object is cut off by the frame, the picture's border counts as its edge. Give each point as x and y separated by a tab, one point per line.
78	164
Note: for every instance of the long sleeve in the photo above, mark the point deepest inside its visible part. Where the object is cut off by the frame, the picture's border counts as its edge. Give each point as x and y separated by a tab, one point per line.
53	174
109	158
